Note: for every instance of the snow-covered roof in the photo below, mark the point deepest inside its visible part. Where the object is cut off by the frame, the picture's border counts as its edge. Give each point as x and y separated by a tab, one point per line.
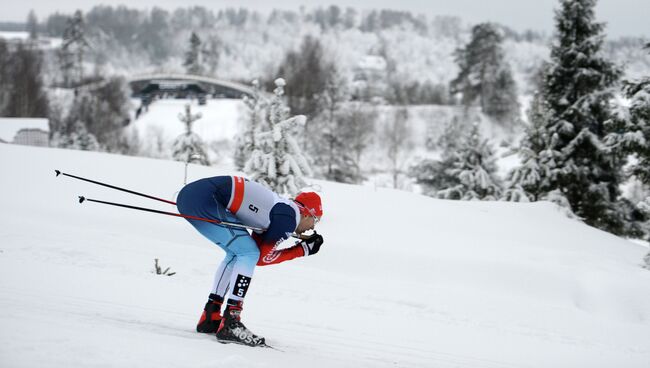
10	126
22	36
372	62
42	42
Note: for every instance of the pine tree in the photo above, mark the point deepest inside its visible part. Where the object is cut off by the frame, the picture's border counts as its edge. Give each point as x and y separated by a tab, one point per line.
630	127
277	160
254	122
630	136
32	25
533	178
78	138
24	88
307	72
329	138
433	174
188	147
359	124
475	168
192	63
577	89
73	47
486	76
397	137
5	77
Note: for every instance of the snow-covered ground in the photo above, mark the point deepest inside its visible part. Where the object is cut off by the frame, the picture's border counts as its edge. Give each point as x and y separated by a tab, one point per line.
401	281
158	126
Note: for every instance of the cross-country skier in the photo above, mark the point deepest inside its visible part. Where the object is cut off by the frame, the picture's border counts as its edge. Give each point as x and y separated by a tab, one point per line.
237	200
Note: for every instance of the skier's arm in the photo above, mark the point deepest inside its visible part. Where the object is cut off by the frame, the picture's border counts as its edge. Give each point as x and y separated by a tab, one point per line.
283	223
269	256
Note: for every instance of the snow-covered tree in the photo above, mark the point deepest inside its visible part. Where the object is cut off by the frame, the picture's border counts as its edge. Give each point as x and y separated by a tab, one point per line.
630	136
359	123
193	63
32	25
397	138
434	174
189	147
277	160
72	50
253	122
22	91
329	139
79	138
485	75
307	71
475	168
630	127
533	178
211	52
578	86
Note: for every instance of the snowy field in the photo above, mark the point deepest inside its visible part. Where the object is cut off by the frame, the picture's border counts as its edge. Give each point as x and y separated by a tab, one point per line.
401	281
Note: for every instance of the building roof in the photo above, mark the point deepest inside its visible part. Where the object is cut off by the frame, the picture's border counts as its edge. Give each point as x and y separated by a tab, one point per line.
10	126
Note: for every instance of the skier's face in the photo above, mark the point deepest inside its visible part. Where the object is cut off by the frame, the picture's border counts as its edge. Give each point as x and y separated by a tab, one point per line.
306	223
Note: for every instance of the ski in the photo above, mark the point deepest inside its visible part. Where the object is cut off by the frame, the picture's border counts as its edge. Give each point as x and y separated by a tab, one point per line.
264	345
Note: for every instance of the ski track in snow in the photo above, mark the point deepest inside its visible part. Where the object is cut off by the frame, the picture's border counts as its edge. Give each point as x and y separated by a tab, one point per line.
296	340
525	288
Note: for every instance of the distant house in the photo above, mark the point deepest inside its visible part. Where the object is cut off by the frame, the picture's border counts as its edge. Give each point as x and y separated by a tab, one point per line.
25	131
13	39
369	81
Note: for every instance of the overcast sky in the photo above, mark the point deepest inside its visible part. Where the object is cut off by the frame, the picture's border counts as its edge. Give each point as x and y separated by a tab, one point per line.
623	17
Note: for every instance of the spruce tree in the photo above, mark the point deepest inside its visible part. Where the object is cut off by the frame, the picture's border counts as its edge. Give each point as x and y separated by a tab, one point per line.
78	138
32	25
329	140
359	129
397	138
277	160
534	177
24	89
475	167
253	122
73	48
630	136
577	89
192	61
485	75
630	127
188	147
434	174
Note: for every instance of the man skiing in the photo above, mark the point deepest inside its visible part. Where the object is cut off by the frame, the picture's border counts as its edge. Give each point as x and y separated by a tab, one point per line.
234	199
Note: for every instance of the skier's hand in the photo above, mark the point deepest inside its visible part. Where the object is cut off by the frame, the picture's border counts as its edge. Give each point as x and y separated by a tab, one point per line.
312	244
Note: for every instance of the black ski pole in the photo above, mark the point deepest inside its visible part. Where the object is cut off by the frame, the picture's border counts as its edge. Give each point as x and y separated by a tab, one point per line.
82	199
113	187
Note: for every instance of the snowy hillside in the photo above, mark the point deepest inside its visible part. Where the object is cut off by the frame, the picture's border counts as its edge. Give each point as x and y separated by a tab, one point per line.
222	120
402	280
158	126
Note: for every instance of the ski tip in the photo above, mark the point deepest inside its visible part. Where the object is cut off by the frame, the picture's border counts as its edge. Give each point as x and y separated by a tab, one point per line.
57	172
82	199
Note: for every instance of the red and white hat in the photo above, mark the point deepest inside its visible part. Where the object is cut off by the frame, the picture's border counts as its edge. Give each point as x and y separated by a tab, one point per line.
309	203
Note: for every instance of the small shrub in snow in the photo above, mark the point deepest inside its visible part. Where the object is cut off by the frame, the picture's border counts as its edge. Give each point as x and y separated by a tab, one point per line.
160	271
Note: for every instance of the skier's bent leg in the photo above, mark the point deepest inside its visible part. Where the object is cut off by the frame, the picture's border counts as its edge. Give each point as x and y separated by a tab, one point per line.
231	328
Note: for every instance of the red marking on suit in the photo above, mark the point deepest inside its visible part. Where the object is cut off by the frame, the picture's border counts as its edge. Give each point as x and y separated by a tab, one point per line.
269	256
238	195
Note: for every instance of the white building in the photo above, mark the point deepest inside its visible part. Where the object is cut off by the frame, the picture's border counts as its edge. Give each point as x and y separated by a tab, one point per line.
25	131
